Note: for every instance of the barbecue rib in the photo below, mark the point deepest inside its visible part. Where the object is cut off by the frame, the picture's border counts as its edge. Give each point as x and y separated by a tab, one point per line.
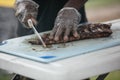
86	31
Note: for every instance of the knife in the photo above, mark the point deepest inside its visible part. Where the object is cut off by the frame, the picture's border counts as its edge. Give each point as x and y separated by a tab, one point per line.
30	23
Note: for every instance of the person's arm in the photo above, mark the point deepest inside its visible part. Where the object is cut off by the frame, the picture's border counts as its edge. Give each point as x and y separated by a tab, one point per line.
67	20
77	4
26	9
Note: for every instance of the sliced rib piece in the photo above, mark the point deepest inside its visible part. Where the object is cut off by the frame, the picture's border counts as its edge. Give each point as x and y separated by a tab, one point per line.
86	31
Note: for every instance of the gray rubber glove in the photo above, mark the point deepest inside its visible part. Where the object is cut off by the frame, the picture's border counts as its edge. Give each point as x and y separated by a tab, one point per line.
66	23
26	9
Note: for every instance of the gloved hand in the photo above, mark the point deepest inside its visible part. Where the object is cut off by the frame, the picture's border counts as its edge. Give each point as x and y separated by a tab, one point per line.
26	9
66	23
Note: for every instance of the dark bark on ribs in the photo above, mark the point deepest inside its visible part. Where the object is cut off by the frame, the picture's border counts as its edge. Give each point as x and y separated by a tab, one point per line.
86	31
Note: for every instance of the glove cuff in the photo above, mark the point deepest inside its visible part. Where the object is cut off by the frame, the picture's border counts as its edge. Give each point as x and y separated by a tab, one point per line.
23	1
71	8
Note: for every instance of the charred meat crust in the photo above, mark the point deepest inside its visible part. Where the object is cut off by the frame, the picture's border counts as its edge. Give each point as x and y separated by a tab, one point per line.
86	31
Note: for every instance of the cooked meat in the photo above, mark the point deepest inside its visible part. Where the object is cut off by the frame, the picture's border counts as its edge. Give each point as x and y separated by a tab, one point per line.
86	31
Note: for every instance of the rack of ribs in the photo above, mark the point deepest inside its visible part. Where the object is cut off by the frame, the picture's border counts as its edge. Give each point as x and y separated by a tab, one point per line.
86	31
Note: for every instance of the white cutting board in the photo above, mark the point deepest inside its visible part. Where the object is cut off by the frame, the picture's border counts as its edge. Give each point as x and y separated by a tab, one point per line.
20	47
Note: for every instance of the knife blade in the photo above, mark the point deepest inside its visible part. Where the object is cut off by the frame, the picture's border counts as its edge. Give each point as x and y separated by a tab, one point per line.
30	23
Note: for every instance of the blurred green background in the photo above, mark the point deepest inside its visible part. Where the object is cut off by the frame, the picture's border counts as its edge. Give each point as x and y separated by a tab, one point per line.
102	10
97	11
101	3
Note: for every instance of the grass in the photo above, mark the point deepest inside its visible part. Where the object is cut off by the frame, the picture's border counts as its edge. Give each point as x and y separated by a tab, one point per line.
5	77
101	3
115	75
